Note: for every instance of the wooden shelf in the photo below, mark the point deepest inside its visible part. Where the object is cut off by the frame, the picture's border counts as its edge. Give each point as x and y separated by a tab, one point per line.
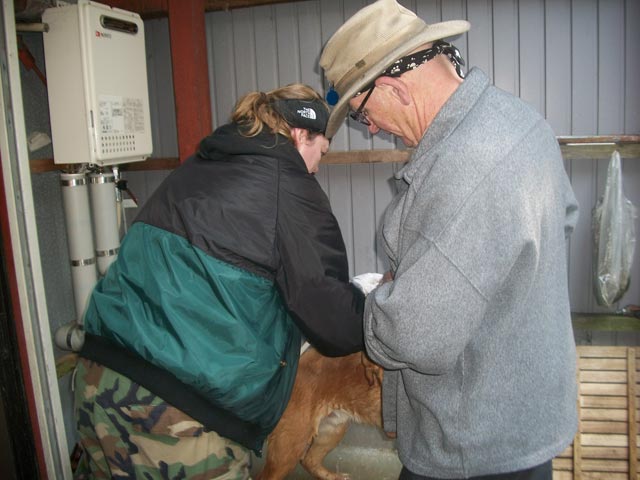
600	147
605	322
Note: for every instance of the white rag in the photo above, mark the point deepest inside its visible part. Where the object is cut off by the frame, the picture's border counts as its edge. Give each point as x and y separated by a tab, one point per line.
367	281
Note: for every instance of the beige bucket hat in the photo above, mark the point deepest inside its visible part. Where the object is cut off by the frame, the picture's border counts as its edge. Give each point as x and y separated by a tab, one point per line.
369	42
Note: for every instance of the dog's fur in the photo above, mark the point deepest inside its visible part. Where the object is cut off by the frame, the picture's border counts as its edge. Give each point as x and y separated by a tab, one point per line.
328	394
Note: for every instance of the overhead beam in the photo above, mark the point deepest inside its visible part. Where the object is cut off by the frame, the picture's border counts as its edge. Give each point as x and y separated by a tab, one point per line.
190	73
216	5
160	8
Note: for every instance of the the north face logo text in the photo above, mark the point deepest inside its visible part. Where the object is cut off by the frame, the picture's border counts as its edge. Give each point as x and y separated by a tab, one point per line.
307	112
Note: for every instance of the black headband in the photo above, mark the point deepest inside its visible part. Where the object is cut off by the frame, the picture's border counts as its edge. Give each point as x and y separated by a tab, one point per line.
311	115
414	60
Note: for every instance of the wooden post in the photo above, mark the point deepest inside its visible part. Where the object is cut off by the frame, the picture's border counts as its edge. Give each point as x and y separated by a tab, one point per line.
190	73
631	405
577	444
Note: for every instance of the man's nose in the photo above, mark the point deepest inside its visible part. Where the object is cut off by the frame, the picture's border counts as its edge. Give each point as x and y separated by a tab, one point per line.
373	128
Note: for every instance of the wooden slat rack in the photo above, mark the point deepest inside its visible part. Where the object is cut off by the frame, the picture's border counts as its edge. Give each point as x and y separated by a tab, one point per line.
606	445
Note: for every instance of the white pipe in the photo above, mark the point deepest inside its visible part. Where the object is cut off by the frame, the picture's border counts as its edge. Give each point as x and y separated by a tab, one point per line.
32	27
105	219
75	199
70	337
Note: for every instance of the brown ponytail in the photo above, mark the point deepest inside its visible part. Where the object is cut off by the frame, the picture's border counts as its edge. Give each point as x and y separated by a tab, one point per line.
255	110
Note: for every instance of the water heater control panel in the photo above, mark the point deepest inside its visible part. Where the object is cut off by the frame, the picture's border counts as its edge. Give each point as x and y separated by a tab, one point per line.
97	84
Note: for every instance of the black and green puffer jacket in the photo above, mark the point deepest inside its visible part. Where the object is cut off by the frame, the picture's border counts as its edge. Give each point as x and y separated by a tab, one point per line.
233	257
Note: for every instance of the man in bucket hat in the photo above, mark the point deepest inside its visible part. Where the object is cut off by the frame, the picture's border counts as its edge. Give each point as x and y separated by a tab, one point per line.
474	329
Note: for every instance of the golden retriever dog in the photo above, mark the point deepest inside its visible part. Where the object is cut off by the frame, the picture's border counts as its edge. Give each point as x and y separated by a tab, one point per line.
328	394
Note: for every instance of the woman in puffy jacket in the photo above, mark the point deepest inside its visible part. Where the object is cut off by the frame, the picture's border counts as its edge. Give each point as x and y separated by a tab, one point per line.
193	335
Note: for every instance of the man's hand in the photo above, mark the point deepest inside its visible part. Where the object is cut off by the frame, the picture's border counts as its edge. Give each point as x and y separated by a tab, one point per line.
387	277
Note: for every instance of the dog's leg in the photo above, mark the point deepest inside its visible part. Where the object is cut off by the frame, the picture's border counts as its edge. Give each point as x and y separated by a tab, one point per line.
283	454
330	432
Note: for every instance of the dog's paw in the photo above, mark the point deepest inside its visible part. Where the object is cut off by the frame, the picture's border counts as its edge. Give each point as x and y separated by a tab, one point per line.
339	476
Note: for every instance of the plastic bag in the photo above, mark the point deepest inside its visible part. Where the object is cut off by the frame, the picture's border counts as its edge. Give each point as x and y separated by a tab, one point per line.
614	237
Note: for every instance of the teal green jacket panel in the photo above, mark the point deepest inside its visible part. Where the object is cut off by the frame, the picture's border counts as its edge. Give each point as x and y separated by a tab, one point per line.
220	329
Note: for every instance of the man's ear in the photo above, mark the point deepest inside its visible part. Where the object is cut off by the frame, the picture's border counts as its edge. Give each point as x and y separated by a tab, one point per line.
398	88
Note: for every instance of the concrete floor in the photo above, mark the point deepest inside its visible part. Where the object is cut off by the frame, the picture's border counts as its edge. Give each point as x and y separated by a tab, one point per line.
365	453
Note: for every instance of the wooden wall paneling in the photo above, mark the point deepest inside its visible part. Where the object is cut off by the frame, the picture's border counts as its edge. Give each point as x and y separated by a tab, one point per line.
322	178
384	191
287	44
584	67
505	46
360	218
456	10
611	67
584	113
221	65
331	18
339	192
266	46
429	10
358	135
310	38
580	264
160	78
480	36
363	218
352	6
558	65
632	67
335	179
544	50
385	141
531	43
244	52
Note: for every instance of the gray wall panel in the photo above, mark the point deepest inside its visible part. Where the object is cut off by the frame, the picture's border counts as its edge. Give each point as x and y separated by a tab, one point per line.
363	218
575	61
245	50
339	192
611	67
219	27
310	39
265	45
584	67
480	36
505	38
558	65
632	66
287	44
160	75
532	53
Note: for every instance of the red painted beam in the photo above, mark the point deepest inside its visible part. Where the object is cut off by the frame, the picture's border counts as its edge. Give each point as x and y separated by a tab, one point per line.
16	316
145	8
190	73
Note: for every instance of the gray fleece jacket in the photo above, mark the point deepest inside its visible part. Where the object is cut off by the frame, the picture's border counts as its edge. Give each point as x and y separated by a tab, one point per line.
475	330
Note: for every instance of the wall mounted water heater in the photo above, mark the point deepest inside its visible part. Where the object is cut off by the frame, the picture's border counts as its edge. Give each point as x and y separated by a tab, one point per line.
97	84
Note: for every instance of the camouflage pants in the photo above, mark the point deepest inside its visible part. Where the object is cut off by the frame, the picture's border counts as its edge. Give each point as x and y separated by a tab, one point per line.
128	432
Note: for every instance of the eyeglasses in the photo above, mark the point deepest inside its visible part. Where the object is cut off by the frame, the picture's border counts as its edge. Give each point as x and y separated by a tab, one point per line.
359	115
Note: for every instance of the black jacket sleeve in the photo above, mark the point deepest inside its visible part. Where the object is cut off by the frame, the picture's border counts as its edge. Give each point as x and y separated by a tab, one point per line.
313	275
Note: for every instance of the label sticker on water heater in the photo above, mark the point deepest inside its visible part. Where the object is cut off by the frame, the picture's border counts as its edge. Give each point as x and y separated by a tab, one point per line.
119	115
